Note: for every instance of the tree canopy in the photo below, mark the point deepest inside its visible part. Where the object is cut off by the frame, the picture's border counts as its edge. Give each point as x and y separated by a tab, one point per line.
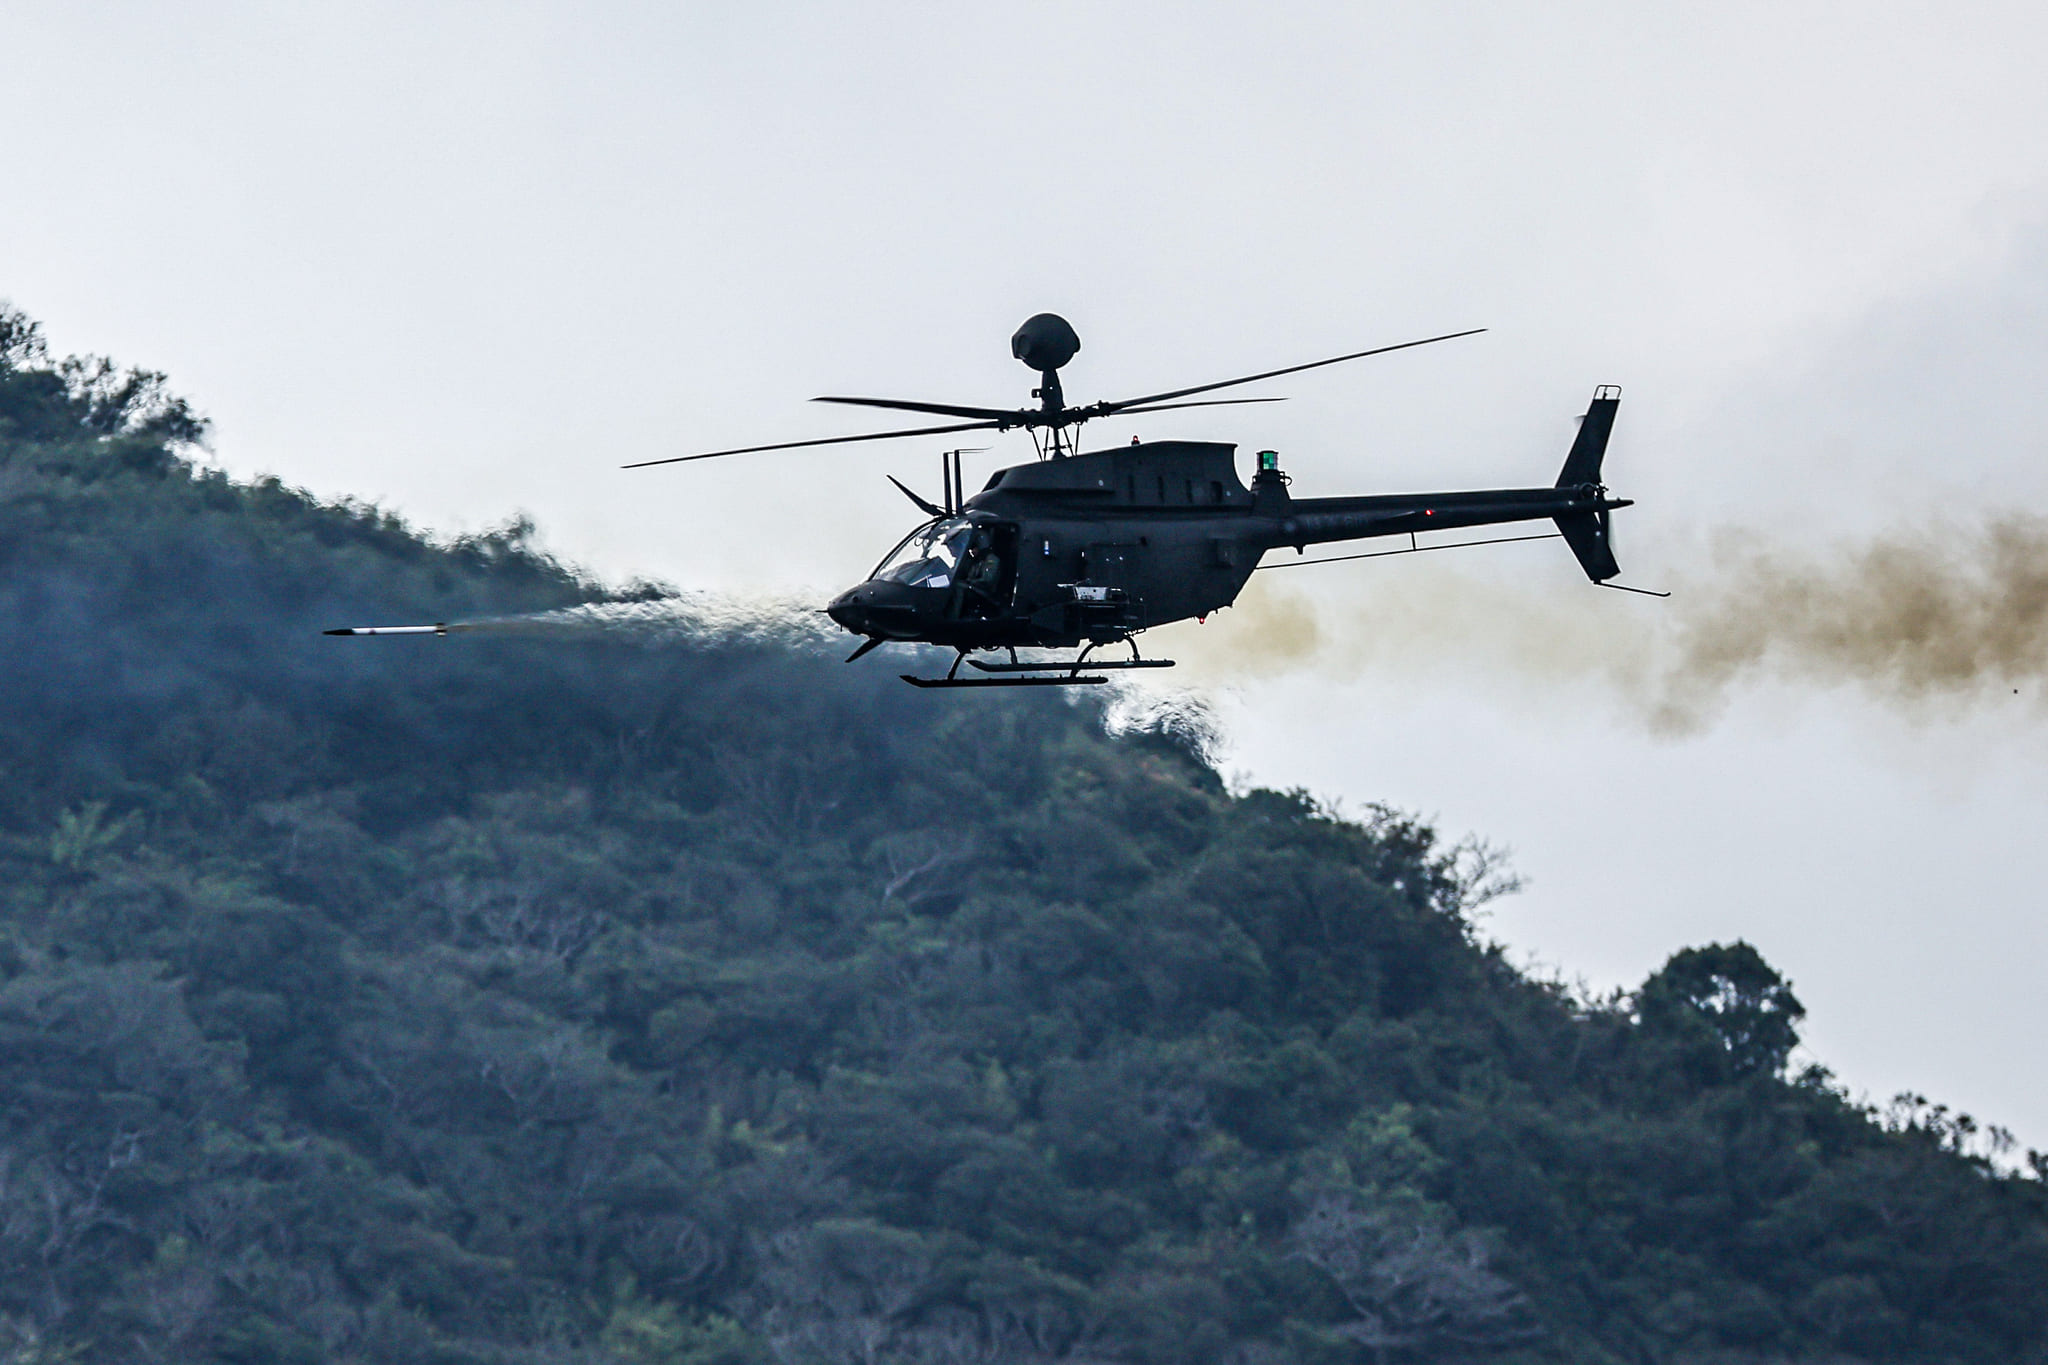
688	997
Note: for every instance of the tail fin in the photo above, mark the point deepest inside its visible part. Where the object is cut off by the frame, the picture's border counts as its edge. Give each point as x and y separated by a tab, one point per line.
1583	464
1587	532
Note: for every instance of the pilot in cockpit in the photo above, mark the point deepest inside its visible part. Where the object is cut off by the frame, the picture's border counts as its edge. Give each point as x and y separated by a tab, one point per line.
983	573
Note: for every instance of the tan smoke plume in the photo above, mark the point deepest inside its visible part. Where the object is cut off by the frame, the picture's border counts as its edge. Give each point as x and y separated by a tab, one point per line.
1907	617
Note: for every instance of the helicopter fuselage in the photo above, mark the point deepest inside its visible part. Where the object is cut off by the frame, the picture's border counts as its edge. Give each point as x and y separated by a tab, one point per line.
1098	546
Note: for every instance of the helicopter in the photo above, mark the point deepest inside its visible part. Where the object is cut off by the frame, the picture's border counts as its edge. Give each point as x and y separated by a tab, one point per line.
1084	550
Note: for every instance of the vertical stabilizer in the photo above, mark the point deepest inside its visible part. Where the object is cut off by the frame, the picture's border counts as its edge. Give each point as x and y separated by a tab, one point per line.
1587	532
1582	466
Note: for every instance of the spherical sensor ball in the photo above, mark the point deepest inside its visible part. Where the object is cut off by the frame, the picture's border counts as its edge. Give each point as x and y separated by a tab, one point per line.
1045	342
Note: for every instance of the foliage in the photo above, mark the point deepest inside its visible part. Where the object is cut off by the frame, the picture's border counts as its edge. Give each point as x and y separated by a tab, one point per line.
692	998
1725	1008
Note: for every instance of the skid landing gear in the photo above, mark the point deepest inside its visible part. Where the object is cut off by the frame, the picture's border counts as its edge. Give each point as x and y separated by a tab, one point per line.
1045	673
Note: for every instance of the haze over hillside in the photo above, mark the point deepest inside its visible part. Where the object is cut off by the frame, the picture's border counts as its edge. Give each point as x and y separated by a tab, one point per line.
688	997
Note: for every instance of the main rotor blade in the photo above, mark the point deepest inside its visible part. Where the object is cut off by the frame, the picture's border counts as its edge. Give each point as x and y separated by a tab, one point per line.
1123	405
821	441
1031	417
942	409
1200	403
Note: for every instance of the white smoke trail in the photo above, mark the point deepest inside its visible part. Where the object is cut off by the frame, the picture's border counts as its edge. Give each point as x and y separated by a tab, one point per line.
678	617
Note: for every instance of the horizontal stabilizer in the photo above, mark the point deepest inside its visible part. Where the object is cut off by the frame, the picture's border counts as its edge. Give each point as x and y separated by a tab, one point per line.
1582	466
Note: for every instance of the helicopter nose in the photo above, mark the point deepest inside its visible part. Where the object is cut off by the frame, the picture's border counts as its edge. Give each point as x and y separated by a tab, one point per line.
875	608
849	612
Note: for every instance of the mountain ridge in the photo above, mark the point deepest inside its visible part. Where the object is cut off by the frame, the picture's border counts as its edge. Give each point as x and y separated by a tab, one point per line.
689	998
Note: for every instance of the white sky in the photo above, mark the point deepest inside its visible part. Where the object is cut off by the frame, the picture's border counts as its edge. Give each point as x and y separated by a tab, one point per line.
466	260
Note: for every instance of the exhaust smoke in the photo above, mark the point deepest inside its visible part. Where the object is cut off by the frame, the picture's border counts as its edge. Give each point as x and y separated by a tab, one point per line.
1907	617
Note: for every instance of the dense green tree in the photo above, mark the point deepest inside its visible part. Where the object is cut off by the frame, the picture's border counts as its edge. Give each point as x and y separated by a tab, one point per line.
1725	1008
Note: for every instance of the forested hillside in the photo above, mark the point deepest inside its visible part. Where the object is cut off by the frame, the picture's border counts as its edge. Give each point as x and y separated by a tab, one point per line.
693	998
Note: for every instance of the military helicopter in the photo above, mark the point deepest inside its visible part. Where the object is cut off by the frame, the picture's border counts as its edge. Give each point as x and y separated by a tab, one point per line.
1081	550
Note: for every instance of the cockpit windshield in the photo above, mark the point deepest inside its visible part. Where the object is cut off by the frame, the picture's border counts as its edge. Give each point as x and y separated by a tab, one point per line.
929	556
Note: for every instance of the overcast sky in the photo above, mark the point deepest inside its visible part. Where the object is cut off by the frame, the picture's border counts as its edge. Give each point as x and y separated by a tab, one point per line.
466	260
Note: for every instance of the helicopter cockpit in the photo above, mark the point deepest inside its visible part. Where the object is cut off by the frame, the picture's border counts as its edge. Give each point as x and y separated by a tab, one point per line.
972	559
930	556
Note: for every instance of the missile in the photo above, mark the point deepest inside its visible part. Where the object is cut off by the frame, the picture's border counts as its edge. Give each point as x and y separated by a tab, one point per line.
439	628
651	617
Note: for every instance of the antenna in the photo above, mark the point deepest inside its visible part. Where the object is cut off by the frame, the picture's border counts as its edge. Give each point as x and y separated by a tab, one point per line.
949	474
